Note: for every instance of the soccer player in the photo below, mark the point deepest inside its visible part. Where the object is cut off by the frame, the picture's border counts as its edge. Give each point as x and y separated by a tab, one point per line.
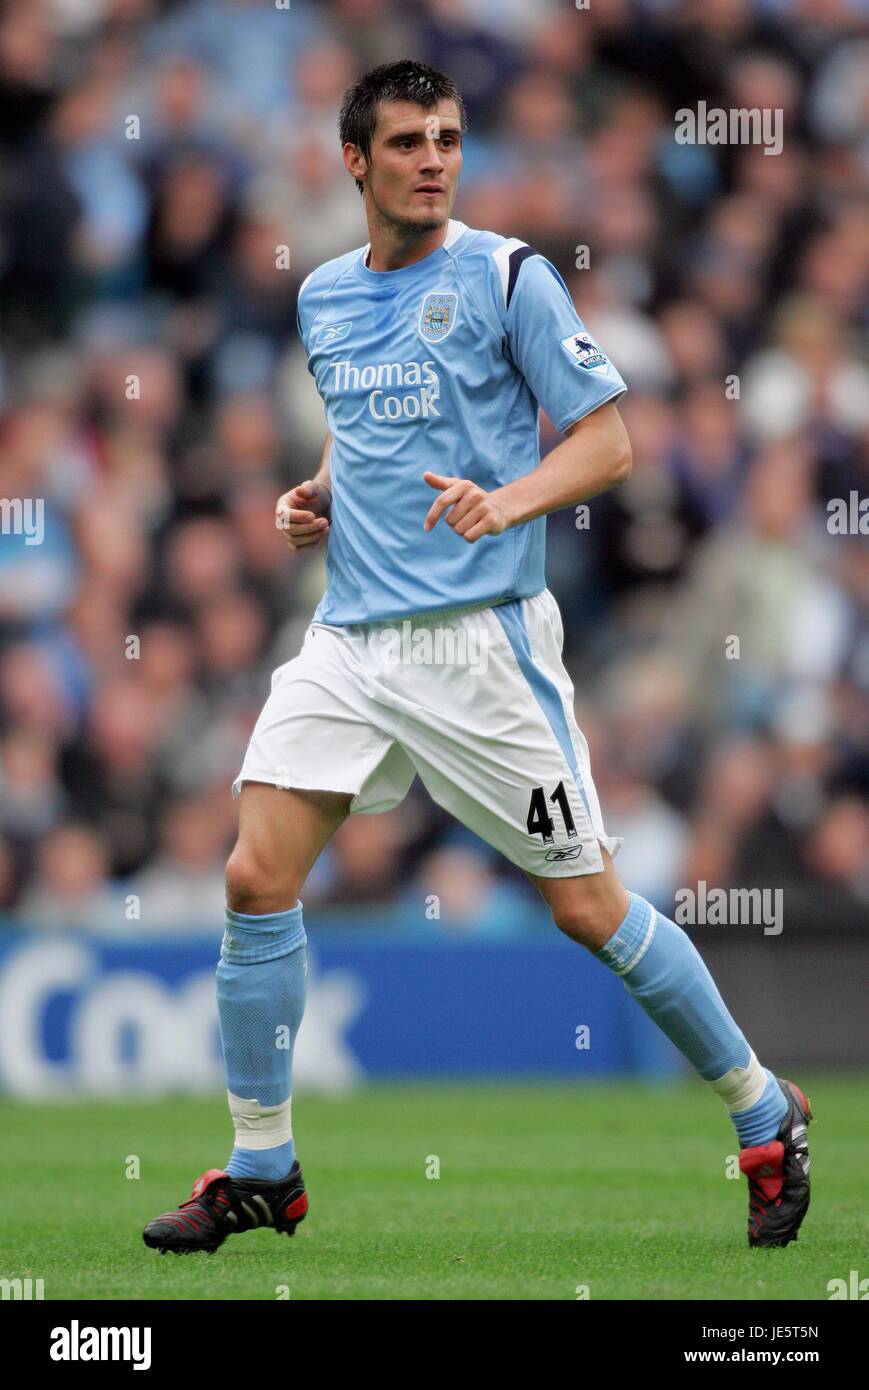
432	348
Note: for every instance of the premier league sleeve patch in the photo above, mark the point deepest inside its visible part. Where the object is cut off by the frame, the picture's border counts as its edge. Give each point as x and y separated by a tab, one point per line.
585	352
437	316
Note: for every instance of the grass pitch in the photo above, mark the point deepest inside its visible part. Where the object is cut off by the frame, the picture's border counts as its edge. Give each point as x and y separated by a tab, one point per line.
542	1189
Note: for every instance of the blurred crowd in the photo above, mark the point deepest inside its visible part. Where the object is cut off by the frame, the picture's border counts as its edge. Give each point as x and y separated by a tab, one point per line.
153	158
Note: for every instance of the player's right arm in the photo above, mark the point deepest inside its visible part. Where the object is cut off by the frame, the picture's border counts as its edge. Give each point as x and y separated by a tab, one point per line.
303	513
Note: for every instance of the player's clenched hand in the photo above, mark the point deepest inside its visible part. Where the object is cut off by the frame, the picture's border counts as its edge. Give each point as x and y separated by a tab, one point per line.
470	510
303	514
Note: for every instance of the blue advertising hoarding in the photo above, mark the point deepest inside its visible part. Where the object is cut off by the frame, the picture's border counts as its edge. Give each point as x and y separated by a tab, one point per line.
83	1015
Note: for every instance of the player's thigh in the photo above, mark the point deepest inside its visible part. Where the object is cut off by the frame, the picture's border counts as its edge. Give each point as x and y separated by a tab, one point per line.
321	729
320	748
588	907
281	832
493	736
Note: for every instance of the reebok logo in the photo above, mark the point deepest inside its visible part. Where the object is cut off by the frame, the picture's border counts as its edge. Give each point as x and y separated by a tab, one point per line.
334	332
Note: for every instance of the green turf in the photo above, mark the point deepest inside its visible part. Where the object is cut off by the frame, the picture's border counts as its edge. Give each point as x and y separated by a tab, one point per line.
542	1188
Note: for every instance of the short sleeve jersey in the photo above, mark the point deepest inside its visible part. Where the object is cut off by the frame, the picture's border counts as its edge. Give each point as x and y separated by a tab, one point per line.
440	365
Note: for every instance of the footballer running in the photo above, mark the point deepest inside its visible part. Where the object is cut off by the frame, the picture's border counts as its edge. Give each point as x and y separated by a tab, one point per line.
433	348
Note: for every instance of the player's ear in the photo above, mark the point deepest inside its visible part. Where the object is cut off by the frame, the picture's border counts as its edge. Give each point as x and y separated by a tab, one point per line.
355	161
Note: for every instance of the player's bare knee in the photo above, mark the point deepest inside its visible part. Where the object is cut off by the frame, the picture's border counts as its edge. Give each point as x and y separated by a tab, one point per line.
591	917
252	888
242	880
582	922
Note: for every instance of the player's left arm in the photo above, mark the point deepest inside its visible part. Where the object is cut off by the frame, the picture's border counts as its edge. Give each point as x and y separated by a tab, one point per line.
595	456
571	376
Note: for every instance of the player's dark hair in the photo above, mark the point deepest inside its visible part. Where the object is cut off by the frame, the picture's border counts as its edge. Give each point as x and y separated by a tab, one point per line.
404	81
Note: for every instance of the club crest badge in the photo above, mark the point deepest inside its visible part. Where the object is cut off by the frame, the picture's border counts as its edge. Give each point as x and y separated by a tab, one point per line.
585	352
437	316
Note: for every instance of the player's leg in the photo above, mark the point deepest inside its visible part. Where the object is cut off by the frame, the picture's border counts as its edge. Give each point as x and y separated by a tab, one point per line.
589	908
262	971
496	743
261	979
663	970
318	752
281	833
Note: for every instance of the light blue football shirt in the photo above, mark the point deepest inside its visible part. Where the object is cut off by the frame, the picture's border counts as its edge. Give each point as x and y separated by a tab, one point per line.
440	365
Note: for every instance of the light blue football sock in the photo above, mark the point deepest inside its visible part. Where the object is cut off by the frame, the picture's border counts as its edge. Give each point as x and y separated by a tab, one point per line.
665	973
261	1000
760	1122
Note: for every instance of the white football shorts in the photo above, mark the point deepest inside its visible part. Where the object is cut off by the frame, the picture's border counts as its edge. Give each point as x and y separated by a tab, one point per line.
477	701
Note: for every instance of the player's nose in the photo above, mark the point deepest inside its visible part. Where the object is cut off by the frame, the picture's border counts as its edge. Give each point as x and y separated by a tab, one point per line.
431	161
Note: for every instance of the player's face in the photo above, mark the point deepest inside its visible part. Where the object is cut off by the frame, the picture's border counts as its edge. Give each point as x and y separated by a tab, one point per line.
416	158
